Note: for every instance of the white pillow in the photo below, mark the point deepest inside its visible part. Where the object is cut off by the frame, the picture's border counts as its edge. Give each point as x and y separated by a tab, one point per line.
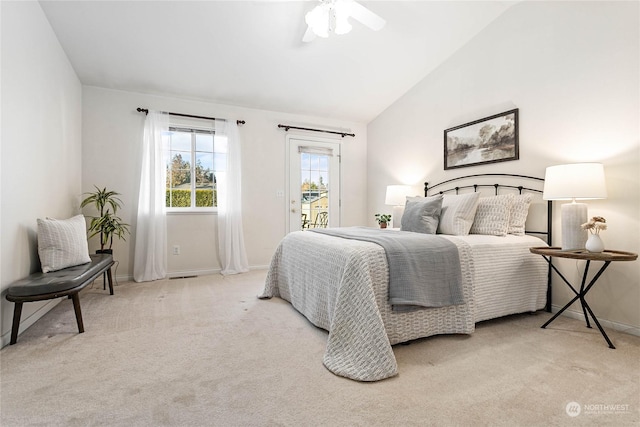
492	215
457	213
519	212
62	243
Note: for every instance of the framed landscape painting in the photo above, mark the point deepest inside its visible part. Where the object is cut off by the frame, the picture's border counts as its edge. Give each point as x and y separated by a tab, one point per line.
489	140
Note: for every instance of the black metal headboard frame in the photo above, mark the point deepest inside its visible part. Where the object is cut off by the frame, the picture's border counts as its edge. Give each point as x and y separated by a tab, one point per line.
429	190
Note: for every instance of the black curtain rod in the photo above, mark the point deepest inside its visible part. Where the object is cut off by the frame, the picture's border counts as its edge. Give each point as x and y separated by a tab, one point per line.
146	111
343	134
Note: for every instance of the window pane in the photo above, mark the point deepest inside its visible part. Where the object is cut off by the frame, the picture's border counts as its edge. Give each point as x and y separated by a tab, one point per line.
323	181
180	195
191	163
323	163
180	170
204	142
204	161
181	141
304	161
204	170
205	197
314	178
315	161
181	159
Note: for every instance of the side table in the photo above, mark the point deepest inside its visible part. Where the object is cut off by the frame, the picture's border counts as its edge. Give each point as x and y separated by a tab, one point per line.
607	256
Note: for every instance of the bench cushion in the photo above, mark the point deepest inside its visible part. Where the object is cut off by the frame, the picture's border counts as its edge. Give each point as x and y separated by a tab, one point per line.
61	280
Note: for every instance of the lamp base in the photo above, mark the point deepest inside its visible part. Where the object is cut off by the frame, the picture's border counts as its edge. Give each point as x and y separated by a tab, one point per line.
573	216
396	216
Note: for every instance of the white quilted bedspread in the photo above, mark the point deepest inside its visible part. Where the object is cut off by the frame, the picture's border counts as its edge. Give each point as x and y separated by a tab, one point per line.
341	285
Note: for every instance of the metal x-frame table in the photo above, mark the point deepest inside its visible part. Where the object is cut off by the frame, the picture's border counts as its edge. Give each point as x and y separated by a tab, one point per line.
607	256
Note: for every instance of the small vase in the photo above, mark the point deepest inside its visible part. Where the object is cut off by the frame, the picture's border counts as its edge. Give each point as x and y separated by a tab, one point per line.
383	225
594	243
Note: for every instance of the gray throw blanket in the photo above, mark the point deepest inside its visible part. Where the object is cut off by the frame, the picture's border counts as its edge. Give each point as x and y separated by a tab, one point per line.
424	269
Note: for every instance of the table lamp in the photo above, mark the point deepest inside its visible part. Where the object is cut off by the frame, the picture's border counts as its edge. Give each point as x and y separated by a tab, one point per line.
578	181
397	197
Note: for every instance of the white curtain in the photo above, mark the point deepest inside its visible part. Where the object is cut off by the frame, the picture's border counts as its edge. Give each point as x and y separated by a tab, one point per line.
233	257
150	259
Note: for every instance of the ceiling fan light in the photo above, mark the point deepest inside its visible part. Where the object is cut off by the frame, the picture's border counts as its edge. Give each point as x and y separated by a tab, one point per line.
342	24
318	19
341	13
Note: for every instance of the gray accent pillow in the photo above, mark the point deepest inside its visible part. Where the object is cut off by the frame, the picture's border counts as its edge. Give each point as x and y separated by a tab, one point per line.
62	243
422	214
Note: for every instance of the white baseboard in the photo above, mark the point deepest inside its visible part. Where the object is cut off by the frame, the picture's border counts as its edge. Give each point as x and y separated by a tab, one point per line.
616	326
190	273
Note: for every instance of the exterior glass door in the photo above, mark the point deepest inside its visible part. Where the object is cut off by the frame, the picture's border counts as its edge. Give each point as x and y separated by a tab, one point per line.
314	184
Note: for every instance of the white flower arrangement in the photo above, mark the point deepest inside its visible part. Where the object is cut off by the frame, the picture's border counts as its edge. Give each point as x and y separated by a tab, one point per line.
595	225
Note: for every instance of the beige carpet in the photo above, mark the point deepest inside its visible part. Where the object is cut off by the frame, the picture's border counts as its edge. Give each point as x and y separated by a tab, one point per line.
206	352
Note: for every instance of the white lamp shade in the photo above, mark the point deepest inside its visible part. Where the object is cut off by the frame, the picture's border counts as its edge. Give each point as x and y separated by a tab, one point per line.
397	195
578	181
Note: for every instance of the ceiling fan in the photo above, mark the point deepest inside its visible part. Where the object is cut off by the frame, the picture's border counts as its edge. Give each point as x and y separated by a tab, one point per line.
332	16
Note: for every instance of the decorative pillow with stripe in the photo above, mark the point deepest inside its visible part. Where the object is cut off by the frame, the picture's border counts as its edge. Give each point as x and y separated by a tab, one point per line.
62	243
519	212
457	213
492	215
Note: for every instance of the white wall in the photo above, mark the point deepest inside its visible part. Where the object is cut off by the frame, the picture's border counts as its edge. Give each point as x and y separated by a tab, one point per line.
572	69
41	145
112	135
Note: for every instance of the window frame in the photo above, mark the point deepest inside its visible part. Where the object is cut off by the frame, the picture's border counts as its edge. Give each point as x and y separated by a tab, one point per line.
193	130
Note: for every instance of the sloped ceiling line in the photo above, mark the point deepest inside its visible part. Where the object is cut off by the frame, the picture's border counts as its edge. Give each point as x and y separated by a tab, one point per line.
250	53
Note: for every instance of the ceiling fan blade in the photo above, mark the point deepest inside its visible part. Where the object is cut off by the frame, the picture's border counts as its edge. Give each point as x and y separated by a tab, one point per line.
365	16
309	35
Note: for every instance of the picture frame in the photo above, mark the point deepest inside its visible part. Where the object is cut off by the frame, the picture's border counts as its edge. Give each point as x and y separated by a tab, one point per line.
488	140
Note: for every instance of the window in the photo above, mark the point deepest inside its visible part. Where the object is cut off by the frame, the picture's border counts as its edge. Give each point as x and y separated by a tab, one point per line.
194	157
314	173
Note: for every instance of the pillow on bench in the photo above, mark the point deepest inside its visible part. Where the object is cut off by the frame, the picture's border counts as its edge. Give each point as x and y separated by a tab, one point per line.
62	243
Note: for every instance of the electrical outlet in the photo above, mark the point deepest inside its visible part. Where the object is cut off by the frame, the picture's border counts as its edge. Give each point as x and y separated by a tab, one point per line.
176	249
280	194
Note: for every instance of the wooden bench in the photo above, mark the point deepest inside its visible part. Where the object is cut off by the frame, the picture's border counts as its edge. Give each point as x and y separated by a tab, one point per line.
56	284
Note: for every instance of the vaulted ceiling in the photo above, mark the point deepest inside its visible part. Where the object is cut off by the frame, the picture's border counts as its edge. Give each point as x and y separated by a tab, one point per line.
251	54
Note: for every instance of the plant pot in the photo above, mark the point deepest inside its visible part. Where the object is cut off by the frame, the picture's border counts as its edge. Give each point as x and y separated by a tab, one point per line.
594	243
105	251
383	225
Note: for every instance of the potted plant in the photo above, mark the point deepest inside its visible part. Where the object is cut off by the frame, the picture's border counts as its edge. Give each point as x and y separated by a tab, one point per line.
107	224
383	219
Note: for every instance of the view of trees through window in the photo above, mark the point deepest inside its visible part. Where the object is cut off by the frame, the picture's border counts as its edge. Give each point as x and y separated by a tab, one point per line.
191	169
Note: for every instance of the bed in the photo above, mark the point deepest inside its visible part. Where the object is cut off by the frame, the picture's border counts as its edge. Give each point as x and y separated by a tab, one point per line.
342	285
